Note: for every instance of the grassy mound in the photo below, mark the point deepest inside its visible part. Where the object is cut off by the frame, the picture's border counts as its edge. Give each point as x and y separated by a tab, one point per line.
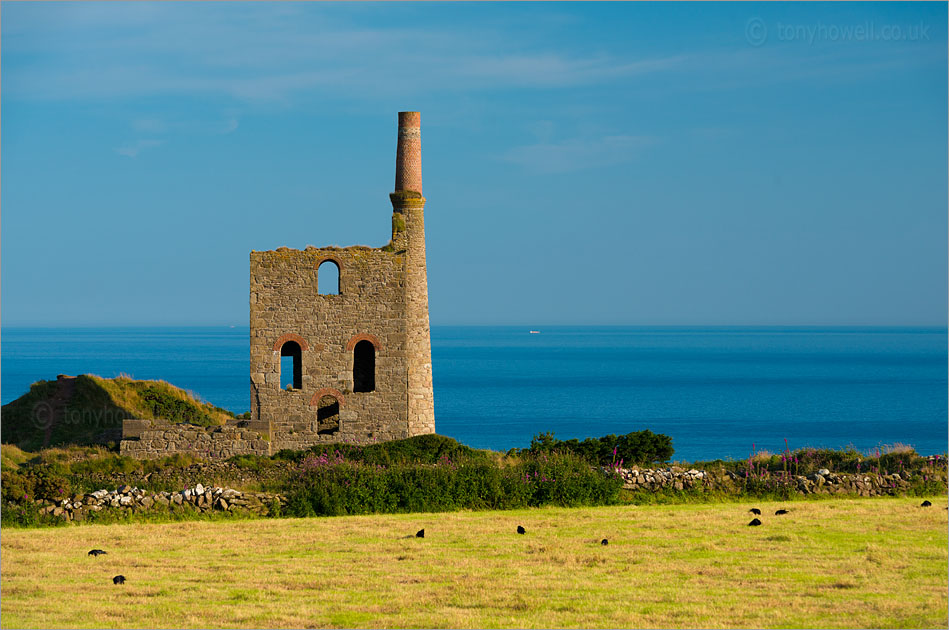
87	409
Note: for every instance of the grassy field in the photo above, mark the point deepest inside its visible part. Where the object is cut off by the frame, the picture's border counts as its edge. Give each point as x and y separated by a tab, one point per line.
867	563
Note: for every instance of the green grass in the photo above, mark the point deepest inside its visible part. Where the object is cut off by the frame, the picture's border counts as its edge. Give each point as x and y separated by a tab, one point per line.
834	564
11	457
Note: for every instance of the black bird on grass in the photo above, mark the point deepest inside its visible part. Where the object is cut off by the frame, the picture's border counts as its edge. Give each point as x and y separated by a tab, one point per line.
782	511
754	523
755	511
118	579
97	553
925	504
604	542
521	530
420	533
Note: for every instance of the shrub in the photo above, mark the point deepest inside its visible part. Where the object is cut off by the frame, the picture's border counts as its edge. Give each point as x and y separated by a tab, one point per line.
421	449
25	514
35	483
639	447
805	461
335	485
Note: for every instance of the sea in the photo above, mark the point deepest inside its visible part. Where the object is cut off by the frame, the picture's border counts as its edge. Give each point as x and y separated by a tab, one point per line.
720	393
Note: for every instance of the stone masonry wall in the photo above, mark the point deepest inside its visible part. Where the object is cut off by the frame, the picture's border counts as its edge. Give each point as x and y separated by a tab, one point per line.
151	439
421	411
286	304
408	202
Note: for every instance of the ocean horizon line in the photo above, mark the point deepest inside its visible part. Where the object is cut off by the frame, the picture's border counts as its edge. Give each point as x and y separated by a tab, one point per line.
530	327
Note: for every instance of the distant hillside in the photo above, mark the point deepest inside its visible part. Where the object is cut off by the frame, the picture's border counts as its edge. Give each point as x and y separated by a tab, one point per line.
87	409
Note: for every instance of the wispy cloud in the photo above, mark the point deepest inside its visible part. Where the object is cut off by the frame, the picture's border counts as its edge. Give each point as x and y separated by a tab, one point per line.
132	150
249	53
274	53
578	153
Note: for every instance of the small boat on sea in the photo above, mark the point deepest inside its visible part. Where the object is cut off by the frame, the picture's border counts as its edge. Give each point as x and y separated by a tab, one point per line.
535	332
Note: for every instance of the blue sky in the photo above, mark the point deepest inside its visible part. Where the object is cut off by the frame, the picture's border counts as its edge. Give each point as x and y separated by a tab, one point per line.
682	164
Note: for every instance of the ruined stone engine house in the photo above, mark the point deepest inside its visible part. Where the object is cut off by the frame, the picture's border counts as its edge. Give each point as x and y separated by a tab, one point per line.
354	364
348	362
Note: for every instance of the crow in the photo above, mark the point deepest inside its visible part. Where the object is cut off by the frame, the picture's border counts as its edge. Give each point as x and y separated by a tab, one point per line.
420	533
521	530
755	511
779	512
97	552
925	504
604	542
118	579
754	523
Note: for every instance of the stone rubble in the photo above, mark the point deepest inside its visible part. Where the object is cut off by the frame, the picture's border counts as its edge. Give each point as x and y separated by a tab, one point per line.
823	482
200	498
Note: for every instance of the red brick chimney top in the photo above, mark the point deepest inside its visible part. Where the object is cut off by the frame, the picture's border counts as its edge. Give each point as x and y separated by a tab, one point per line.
408	155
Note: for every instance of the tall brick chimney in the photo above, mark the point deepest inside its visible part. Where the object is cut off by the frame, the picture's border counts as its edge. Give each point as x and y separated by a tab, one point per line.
408	154
408	231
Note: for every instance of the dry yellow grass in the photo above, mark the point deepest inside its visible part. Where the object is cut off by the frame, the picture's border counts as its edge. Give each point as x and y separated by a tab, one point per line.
876	563
124	395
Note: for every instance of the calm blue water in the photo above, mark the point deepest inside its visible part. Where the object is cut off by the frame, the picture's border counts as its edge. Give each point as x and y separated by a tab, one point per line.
716	391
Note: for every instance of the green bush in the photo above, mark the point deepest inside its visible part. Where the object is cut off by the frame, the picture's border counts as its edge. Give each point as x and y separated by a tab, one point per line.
335	485
805	461
421	449
638	447
36	483
26	514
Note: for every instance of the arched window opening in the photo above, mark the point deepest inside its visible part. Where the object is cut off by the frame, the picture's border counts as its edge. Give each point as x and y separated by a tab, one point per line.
327	416
364	367
327	278
291	366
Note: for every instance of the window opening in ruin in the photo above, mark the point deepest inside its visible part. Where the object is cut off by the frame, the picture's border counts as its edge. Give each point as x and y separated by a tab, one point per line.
327	278
291	366
364	367
327	416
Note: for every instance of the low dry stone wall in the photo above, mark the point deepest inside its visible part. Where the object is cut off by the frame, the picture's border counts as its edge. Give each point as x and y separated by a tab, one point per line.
822	482
151	439
199	498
